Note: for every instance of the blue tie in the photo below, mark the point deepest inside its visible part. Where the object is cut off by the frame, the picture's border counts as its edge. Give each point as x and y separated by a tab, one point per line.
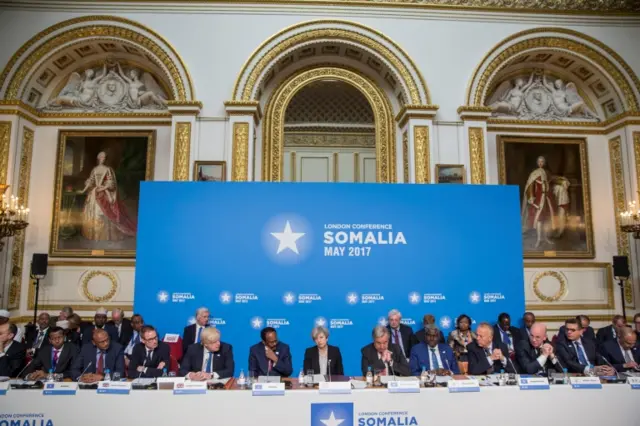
208	369
434	359
198	336
505	338
137	338
581	357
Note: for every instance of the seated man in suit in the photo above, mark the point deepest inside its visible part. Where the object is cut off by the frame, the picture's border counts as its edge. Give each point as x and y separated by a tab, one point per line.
528	319
587	331
270	357
122	326
96	357
57	356
192	333
579	355
137	322
623	352
209	359
504	332
150	358
383	357
12	353
536	355
486	356
610	332
36	335
401	335
99	322
432	355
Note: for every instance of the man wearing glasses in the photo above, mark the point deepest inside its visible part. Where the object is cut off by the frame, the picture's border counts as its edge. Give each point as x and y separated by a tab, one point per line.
579	355
149	358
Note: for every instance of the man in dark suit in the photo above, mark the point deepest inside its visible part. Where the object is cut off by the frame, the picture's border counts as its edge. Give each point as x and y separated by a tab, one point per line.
37	335
579	355
401	335
382	356
12	353
433	355
99	322
98	356
56	355
536	355
623	352
270	357
610	332
421	335
209	359
192	333
587	331
150	357
122	325
487	356
528	319
505	333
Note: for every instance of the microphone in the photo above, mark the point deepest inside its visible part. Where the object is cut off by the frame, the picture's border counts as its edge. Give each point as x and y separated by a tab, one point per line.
329	369
446	362
515	370
144	363
611	365
25	367
85	370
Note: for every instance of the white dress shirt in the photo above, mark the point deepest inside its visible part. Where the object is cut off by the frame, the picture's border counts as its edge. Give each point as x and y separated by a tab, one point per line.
205	358
6	348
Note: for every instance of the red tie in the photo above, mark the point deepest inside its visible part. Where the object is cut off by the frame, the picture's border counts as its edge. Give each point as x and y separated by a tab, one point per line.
269	366
100	366
55	358
395	336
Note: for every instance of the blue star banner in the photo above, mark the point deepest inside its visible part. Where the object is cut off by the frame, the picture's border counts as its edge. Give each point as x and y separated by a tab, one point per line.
293	256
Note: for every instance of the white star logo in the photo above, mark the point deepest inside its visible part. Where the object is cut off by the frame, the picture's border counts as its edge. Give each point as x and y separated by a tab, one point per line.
289	298
321	322
287	239
383	321
352	298
163	296
332	421
474	297
225	297
414	298
256	322
191	321
445	322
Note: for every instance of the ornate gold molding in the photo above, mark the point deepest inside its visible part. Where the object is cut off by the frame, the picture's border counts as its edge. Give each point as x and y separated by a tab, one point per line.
562	291
421	153
99	299
182	151
95	31
5	144
405	156
240	155
17	257
476	154
273	135
329	139
620	205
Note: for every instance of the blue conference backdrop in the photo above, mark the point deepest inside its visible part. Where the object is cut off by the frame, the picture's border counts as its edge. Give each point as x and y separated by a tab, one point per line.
293	256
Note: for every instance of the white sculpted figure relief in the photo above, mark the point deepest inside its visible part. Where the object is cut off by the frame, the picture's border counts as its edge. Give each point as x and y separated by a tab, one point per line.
110	90
540	100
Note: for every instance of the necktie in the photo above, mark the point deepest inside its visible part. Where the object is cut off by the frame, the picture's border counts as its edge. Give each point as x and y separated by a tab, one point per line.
269	365
397	338
209	359
100	366
581	357
627	356
505	338
198	336
487	352
39	340
434	359
119	330
137	340
149	357
54	362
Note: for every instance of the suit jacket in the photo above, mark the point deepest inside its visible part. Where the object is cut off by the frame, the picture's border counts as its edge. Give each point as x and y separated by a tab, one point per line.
312	360
515	336
31	335
524	332
370	359
13	360
114	360
126	331
568	355
408	338
138	356
421	335
528	359
611	350
258	361
222	363
587	334
44	357
421	355
87	333
479	364
604	335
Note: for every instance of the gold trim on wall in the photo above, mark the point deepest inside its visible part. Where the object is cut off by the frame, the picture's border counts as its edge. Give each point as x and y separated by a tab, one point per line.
620	205
17	257
476	154
182	151
5	144
356	167
421	154
336	171
240	153
273	135
294	178
89	275
405	156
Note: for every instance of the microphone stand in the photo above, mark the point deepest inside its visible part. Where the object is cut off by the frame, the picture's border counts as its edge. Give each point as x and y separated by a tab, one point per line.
620	283
329	369
25	367
85	370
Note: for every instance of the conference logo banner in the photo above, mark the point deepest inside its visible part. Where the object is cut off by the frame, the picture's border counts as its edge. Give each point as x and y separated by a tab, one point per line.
296	256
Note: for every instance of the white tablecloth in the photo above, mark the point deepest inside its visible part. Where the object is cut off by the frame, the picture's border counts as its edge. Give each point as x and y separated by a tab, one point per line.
613	405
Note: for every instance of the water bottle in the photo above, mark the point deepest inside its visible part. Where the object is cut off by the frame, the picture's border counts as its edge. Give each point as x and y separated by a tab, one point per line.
301	378
107	375
369	377
242	381
565	380
424	376
503	378
50	376
164	372
590	371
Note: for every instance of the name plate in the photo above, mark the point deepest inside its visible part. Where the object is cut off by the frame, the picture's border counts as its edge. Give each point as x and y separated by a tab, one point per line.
412	386
62	388
268	389
189	388
171	338
533	383
4	387
585	382
467	385
334	387
634	382
116	388
168	383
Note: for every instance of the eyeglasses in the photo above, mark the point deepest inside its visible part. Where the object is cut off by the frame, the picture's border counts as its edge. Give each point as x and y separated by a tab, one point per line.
152	338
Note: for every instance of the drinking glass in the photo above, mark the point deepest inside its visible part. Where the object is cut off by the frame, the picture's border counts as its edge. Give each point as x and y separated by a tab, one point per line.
115	377
308	379
172	374
57	377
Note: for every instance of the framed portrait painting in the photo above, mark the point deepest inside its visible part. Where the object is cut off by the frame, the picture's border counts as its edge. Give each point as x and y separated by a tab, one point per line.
97	191
450	173
209	171
555	205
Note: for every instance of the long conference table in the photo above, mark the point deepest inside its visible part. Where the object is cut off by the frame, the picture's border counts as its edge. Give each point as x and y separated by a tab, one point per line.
614	404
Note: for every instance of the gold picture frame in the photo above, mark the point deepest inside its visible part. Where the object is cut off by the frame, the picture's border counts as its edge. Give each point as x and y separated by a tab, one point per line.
556	221
443	173
97	191
217	171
